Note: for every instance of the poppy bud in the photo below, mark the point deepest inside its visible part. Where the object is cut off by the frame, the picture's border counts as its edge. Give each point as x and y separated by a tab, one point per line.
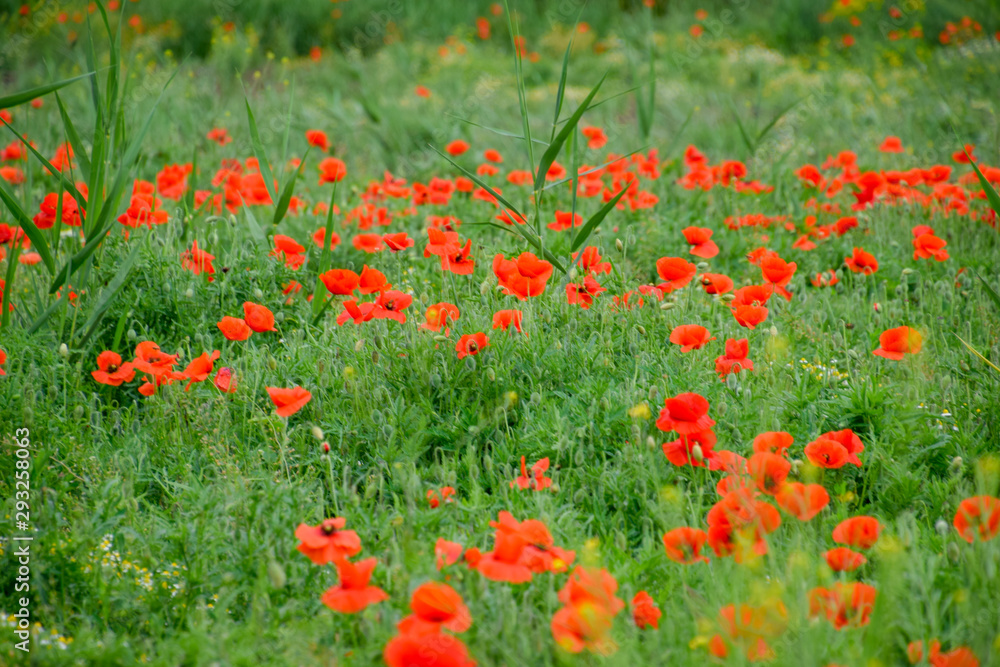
953	553
641	329
907	271
653	391
232	219
484	287
853	354
279	317
796	467
424	298
491	374
130	334
377	341
697	454
271	363
374	356
773	331
359	345
189	293
470	363
963	366
702	266
620	540
317	432
572	273
666	306
276	574
619	245
180	353
878	307
258	294
536	398
78	412
325	446
732	382
941	526
650	442
387	431
371	489
956	465
439	338
63	350
487	463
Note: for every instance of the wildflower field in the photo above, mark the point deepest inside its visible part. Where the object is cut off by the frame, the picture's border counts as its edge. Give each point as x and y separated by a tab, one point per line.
466	333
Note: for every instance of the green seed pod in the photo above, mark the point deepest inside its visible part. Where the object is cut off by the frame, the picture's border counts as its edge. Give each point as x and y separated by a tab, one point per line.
258	294
276	574
491	374
130	334
487	463
731	382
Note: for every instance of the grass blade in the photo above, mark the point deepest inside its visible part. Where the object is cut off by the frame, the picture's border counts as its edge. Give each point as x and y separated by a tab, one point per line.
318	304
519	230
286	193
588	227
38	241
994	296
110	292
590	171
478	181
562	84
774	121
743	132
502	133
66	183
9	101
991	193
258	151
553	150
975	352
519	75
74	140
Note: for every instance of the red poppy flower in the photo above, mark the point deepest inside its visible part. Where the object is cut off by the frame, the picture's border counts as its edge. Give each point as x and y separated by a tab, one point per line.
843	559
768	471
739	523
891	145
446	553
200	368
328	542
492	155
290	249
685	414
896	343
565	220
504	562
927	246
390	304
3	360
850	441
860	532
537	481
354	593
224	380
340	281
700	240
692	449
716	283
504	319
370	243
288	401
332	170
684	545
234	328
778	273
111	371
862	262
576	628
456	147
318	139
826	453
690	337
591	262
372	280
676	272
803	501
596	137
846	605
582	294
524	277
197	261
259	318
398	241
825	279
645	613
978	515
436	606
439	315
426	650
319	237
359	313
471	344
774	442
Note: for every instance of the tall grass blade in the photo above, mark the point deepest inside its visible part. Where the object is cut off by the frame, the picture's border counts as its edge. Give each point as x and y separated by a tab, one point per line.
111	292
556	146
15	99
589	226
478	181
976	352
74	140
34	234
258	151
286	193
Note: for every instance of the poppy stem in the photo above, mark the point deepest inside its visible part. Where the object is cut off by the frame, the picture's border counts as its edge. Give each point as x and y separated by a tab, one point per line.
283	443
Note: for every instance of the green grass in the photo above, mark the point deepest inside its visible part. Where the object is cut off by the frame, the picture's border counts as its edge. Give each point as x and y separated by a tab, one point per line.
203	491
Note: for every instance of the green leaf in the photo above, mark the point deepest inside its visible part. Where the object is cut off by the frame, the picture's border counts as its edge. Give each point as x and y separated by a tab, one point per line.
110	292
991	193
318	304
38	241
553	150
588	227
9	101
256	231
286	194
8	292
502	133
774	121
990	291
975	352
478	181
562	84
743	132
258	151
519	76
74	140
